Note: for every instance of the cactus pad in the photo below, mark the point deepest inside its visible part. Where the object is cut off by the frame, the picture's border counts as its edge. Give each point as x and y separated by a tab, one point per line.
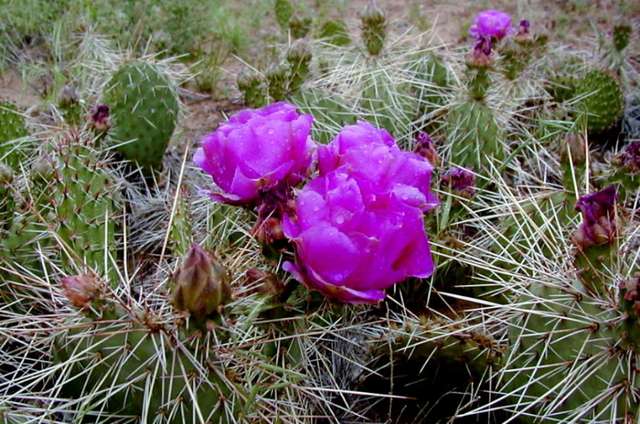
144	109
602	101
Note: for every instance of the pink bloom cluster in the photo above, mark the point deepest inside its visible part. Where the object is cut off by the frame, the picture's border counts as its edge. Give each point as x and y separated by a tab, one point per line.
357	228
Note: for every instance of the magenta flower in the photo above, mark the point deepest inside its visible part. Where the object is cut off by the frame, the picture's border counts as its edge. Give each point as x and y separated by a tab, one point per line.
598	218
351	245
459	180
372	156
491	24
256	150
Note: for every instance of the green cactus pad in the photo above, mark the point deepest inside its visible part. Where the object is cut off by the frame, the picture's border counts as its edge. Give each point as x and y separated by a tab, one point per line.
564	358
335	32
473	135
253	88
12	131
283	10
144	109
602	101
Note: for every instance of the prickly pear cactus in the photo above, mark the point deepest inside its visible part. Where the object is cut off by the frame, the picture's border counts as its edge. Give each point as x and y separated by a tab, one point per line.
602	101
278	79
299	25
374	29
253	88
12	131
83	207
473	135
283	10
144	110
299	59
335	32
7	201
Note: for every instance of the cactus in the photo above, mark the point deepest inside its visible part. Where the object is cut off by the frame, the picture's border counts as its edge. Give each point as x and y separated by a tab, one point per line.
144	109
12	133
68	204
82	208
143	373
335	32
374	29
474	135
278	79
252	86
299	59
601	102
621	36
7	201
299	25
283	10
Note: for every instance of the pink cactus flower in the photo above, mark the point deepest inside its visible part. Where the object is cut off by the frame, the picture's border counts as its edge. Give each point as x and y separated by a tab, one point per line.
255	151
353	243
491	24
371	155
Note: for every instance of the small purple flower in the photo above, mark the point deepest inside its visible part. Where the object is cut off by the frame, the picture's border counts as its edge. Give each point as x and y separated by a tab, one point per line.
630	157
524	27
492	24
460	180
426	148
598	218
256	150
351	245
371	155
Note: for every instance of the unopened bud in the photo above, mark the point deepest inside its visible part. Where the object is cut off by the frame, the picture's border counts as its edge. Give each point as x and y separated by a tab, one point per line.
6	174
576	148
202	284
100	119
81	289
426	148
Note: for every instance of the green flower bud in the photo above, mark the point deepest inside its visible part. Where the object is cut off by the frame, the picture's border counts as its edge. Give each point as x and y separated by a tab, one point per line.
373	28
202	284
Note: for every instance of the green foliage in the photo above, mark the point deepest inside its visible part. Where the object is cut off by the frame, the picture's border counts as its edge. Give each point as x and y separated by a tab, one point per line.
144	110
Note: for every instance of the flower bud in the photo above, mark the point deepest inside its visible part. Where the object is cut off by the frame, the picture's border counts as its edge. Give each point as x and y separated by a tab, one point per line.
629	159
598	218
6	174
100	118
202	284
621	36
426	148
81	289
460	181
576	147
